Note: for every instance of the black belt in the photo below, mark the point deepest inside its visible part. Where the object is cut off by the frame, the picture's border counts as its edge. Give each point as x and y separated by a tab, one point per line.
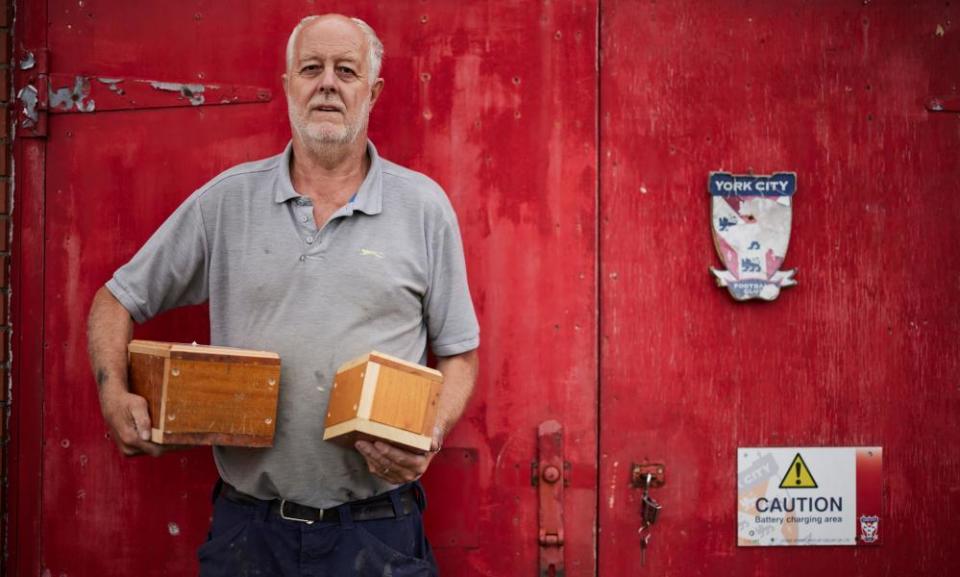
379	507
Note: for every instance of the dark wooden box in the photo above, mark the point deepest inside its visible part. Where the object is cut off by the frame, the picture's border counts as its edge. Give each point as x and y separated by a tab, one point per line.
206	395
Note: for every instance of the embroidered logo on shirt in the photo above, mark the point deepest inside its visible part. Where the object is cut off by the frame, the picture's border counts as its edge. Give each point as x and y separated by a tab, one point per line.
368	252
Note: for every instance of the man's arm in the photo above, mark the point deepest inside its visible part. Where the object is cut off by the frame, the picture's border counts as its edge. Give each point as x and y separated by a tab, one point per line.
109	330
459	377
398	466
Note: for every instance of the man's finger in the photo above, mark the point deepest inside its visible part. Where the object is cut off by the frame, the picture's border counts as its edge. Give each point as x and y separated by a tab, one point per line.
392	464
381	469
141	418
402	458
367	450
375	460
152	449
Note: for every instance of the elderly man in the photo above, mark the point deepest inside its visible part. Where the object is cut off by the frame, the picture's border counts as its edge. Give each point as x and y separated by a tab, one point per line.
321	253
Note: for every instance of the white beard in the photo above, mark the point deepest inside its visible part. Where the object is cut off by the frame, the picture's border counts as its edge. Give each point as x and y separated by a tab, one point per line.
323	135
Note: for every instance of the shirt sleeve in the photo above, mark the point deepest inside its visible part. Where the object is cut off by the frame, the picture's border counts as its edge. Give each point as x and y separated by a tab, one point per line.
451	321
170	270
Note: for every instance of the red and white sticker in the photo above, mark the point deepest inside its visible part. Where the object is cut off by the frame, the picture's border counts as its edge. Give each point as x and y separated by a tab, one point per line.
809	496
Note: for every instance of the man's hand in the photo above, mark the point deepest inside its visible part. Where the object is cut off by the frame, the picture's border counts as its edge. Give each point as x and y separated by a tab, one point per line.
393	464
398	466
126	415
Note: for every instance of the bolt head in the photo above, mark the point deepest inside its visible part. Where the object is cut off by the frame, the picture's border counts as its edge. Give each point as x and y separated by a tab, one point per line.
551	474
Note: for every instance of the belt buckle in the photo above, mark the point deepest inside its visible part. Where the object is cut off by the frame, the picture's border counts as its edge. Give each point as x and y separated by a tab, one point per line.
283	514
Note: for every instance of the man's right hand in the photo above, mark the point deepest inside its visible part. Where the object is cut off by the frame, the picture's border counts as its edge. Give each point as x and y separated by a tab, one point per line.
109	330
126	415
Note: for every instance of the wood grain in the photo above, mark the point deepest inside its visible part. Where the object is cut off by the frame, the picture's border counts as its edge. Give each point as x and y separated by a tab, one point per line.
402	399
221	398
147	372
345	395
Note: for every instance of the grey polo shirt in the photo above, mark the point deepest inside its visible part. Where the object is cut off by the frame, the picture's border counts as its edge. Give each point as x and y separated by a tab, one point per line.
385	273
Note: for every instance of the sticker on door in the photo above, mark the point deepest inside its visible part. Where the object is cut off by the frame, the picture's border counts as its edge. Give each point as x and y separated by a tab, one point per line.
808	496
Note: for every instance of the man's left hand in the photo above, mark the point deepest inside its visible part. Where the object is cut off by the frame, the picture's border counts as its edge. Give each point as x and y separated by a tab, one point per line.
393	464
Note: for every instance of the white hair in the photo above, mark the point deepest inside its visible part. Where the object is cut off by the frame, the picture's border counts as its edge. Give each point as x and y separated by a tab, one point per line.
374	46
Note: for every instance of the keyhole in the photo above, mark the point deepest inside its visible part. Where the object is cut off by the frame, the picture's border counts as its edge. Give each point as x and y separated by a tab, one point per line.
797	467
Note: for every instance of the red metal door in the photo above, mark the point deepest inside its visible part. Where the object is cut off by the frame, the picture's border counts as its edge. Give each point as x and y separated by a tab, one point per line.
862	352
498	101
495	100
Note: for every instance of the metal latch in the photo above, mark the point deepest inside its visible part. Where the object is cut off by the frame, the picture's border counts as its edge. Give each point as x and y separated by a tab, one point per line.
646	476
639	472
550	478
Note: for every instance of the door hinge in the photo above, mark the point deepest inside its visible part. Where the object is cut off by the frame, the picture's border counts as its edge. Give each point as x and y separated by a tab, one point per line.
40	93
550	477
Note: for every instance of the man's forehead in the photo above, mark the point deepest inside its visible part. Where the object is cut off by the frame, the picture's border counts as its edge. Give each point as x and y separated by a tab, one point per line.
331	37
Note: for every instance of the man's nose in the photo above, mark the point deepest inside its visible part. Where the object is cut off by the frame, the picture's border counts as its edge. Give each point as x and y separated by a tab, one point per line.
328	80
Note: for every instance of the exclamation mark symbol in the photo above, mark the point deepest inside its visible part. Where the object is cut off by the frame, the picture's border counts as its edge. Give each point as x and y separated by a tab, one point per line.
797	475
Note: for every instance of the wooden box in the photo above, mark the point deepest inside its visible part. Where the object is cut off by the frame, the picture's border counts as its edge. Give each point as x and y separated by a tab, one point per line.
381	397
206	395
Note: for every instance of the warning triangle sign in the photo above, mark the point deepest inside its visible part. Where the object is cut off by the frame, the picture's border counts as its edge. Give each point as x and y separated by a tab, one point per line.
798	476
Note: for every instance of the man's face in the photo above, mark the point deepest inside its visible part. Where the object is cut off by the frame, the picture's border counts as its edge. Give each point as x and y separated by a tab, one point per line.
329	91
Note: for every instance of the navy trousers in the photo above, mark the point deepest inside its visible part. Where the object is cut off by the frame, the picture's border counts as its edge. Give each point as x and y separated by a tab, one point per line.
248	540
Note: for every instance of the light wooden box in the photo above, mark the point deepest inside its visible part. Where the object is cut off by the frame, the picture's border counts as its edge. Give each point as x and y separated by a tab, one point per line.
378	396
206	395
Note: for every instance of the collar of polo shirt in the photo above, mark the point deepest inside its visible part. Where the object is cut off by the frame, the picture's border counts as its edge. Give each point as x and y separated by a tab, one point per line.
367	199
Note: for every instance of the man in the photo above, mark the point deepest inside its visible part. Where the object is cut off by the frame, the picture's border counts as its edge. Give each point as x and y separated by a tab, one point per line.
321	253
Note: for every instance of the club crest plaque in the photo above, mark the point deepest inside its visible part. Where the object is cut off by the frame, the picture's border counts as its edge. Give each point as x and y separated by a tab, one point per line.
751	230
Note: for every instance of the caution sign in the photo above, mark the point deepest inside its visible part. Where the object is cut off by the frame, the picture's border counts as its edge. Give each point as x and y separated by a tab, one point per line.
798	476
808	496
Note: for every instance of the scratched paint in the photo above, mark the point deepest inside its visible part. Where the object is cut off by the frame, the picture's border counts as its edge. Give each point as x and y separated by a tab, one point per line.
614	478
28	98
76	97
113	84
192	92
28	61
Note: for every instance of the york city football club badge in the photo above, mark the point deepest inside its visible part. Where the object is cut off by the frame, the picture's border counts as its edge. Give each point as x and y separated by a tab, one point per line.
869	528
751	230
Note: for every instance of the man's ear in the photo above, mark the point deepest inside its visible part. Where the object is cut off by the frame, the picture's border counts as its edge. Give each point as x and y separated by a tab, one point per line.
285	80
375	91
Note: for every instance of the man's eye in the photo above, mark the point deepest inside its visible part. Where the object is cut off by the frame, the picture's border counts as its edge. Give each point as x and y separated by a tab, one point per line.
310	70
346	71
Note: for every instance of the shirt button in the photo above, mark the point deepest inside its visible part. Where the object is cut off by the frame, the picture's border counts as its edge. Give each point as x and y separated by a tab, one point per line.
304	218
309	240
303	257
